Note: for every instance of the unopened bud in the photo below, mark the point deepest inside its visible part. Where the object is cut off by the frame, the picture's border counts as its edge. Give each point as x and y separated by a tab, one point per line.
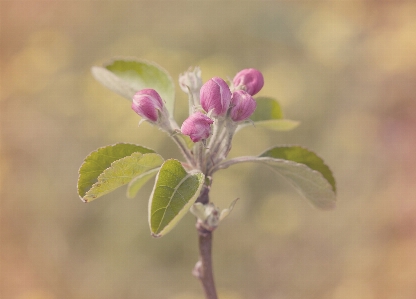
191	79
147	103
250	80
215	96
197	126
242	106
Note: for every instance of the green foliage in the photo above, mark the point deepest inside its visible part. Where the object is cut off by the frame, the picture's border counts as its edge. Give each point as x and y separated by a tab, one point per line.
267	108
126	76
302	168
304	156
173	194
268	114
137	183
105	170
175	190
305	171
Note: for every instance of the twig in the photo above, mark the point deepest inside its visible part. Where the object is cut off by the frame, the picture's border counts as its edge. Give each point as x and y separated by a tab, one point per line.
203	268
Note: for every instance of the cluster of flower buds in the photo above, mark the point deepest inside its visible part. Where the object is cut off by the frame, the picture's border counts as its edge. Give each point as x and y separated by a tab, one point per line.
220	102
222	106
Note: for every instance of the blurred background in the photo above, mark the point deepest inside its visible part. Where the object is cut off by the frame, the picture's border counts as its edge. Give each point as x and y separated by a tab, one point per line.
346	70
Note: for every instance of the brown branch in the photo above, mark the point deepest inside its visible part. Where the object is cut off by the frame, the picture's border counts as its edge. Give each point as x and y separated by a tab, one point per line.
203	268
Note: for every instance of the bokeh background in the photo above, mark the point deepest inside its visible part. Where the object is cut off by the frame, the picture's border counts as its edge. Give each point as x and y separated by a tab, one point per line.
345	69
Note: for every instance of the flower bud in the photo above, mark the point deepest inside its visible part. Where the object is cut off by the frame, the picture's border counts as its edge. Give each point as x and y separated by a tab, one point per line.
215	96
191	79
242	106
250	80
147	103
197	126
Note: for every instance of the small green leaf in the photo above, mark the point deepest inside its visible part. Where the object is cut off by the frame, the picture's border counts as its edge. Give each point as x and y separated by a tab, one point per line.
268	114
138	182
267	108
278	124
98	161
302	155
121	172
126	76
226	212
173	194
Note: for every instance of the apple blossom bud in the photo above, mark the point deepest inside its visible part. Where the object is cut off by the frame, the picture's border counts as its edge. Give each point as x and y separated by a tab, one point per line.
215	96
197	126
147	103
250	80
242	106
191	79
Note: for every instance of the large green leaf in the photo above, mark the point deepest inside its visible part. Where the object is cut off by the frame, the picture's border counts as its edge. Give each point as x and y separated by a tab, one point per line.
302	168
173	194
268	114
98	161
302	155
126	76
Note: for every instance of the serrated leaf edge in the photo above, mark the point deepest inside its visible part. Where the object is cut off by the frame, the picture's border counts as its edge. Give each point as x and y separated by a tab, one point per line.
186	207
95	151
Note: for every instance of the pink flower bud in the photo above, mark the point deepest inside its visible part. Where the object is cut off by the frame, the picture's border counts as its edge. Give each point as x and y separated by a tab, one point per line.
250	80
242	105
147	103
215	96
197	126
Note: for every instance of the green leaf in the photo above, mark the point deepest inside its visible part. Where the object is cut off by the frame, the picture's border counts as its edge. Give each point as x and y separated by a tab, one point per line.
121	172
278	124
302	168
98	161
138	182
173	194
268	114
267	108
302	155
126	76
310	183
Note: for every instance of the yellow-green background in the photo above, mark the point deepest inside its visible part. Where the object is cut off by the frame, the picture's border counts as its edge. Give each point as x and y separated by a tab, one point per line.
345	69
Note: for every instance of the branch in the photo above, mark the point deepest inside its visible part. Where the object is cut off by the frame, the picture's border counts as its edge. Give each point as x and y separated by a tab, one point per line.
203	268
